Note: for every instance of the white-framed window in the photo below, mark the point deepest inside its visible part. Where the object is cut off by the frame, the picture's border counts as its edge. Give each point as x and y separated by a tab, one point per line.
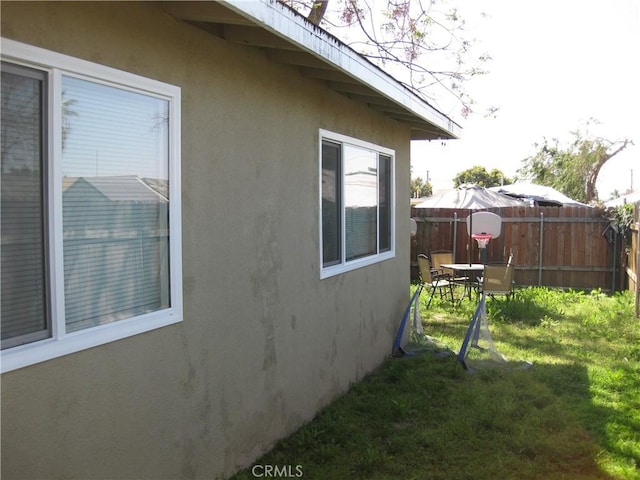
90	205
356	203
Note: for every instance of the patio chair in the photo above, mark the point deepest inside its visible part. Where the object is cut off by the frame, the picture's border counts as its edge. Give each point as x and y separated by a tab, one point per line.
427	280
444	256
497	280
509	263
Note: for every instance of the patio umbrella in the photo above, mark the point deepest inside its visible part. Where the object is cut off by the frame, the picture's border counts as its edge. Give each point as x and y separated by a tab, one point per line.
472	197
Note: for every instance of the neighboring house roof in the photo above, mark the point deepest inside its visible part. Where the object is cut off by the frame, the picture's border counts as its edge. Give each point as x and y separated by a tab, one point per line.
470	196
633	197
540	195
125	188
290	38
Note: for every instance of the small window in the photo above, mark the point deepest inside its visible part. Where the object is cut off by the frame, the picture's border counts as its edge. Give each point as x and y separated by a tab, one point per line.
90	205
356	203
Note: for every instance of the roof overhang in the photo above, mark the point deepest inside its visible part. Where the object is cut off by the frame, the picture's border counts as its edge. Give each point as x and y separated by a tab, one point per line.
289	38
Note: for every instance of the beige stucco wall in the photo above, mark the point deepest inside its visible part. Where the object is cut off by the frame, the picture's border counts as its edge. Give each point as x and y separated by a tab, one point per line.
264	342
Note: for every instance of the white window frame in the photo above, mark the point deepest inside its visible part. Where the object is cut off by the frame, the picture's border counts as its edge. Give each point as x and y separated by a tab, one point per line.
344	265
61	343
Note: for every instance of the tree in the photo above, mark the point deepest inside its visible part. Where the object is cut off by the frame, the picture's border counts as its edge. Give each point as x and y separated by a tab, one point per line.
480	176
420	188
423	43
615	194
573	169
67	113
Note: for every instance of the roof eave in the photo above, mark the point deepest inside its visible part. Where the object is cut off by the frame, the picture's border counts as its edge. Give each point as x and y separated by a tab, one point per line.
298	36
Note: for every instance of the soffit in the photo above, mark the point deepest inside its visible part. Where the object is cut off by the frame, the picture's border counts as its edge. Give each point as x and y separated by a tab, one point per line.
288	38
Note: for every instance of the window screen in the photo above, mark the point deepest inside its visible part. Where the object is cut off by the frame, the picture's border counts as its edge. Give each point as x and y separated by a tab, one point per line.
24	301
384	202
331	204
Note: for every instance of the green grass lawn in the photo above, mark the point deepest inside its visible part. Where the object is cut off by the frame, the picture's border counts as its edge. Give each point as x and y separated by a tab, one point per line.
575	414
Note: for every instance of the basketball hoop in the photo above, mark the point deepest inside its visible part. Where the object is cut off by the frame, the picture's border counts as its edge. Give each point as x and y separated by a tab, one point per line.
482	239
483	226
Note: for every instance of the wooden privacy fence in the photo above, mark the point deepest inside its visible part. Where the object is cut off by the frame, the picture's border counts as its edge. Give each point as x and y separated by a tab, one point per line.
634	259
568	247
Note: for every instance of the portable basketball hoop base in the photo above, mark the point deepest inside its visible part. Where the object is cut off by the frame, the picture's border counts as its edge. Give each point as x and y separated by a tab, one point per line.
478	351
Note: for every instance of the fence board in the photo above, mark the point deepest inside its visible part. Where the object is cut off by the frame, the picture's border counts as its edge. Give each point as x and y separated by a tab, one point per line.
560	247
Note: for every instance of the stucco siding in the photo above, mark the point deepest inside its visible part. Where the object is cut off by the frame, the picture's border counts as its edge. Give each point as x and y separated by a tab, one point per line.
265	343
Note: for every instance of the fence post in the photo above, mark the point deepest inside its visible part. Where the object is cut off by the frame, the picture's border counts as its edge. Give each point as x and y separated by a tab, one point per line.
455	235
615	253
540	251
637	296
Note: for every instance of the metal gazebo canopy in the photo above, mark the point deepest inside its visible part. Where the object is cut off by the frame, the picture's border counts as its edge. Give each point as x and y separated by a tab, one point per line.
470	196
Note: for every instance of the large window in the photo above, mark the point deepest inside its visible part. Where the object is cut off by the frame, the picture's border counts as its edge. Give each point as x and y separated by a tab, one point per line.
90	205
356	203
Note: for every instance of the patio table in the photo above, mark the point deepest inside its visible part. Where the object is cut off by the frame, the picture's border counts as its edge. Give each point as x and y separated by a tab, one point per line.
468	270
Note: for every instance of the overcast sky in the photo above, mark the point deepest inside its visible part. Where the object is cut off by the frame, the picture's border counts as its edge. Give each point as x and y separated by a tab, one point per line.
556	63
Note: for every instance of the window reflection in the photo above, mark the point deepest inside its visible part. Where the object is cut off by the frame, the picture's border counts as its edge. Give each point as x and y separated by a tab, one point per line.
361	200
115	203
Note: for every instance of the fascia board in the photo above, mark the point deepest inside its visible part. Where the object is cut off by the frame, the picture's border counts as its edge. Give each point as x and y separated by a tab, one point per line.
281	21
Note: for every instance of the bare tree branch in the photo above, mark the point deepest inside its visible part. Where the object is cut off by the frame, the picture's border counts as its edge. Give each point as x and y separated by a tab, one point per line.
602	157
423	44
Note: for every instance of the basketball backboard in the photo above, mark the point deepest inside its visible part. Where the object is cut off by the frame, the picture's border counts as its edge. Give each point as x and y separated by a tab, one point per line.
484	223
